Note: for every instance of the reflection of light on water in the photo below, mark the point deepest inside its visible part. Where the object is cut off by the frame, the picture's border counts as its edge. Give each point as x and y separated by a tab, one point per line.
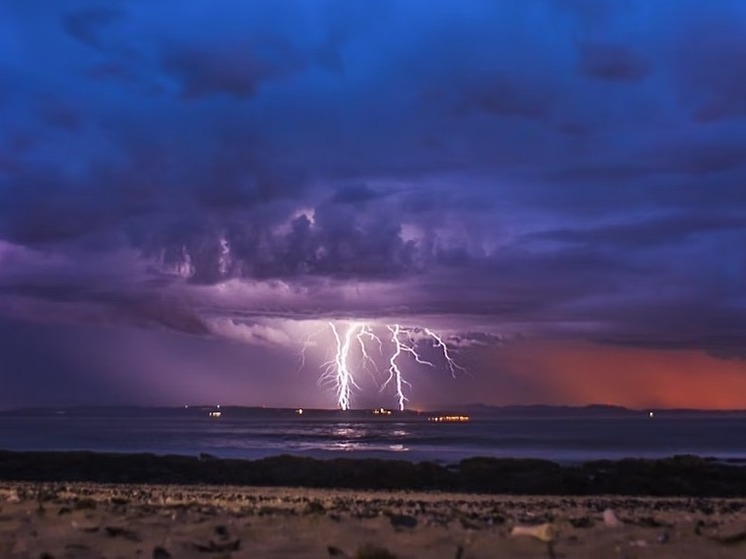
347	431
352	437
399	433
346	446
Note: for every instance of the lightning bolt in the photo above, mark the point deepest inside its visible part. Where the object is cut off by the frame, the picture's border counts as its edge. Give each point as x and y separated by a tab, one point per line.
224	260
339	373
452	365
364	330
395	373
307	342
338	369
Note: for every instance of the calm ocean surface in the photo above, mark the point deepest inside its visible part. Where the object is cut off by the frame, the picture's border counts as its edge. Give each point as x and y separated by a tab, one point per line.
258	433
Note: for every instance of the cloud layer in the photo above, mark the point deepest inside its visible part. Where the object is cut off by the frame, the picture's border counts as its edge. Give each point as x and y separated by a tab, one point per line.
570	169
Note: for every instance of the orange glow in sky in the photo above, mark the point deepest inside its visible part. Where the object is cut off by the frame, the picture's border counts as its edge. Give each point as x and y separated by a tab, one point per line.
632	377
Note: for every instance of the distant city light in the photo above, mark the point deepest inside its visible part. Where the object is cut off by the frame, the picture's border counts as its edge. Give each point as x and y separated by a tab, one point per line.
449	418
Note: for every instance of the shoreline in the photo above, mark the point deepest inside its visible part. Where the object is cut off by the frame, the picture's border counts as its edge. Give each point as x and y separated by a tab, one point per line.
678	476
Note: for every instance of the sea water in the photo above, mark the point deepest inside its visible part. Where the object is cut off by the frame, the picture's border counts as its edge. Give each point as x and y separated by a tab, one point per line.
242	433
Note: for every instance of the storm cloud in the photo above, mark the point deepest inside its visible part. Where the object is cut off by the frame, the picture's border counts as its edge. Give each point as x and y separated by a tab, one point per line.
571	170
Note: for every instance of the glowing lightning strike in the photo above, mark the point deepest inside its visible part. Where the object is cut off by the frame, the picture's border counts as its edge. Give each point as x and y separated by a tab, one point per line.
365	330
452	365
394	370
338	370
308	342
408	346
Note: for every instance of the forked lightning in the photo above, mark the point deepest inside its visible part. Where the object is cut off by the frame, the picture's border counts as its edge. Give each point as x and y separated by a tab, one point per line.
339	372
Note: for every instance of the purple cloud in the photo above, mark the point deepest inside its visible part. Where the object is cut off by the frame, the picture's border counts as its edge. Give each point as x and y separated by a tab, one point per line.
541	169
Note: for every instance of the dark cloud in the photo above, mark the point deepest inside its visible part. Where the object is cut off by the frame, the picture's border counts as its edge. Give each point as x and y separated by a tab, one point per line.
709	67
474	339
237	73
334	243
505	97
88	25
355	194
663	230
546	167
61	115
37	210
683	162
722	346
612	63
239	68
667	323
592	12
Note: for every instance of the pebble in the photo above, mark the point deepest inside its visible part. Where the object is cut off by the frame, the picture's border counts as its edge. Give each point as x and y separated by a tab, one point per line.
221	531
731	538
315	507
610	519
582	522
160	553
117	532
214	547
85	504
90	528
544	532
403	521
369	551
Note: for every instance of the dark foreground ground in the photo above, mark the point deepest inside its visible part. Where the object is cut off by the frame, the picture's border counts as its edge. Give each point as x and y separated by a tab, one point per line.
678	476
80	505
49	520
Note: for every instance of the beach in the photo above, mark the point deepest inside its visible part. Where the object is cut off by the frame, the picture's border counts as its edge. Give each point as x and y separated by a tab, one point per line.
95	505
81	520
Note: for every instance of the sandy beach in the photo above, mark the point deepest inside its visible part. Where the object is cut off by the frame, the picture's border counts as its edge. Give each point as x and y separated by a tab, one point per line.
81	520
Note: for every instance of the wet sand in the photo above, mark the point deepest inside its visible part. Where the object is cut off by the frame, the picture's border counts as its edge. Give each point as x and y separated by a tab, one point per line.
81	520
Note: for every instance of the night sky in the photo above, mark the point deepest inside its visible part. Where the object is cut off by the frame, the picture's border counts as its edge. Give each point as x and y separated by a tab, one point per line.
190	191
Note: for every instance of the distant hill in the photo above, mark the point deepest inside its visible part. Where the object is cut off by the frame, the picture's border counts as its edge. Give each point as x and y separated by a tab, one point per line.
545	410
591	410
